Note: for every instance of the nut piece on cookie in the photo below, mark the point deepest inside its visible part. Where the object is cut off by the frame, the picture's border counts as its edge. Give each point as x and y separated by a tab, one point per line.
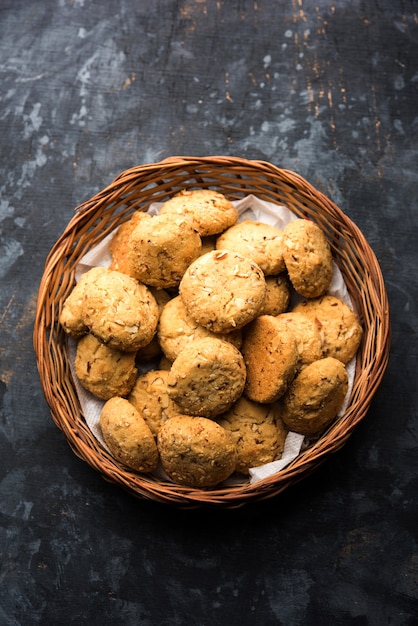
223	291
339	325
177	329
103	371
258	432
127	435
271	358
150	398
120	311
161	248
196	451
315	397
207	377
71	317
210	210
308	258
258	241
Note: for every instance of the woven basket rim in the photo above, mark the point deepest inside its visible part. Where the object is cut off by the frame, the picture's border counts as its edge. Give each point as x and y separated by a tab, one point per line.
138	187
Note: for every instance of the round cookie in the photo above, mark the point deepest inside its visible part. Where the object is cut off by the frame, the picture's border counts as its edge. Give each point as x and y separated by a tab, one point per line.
207	377
71	316
196	451
308	258
127	435
222	291
271	357
177	329
277	297
339	325
315	396
307	334
258	432
258	241
210	210
150	398
102	370
161	248
120	311
119	243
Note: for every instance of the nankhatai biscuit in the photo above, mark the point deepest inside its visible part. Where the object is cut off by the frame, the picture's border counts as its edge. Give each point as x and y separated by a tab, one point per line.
257	430
223	291
177	329
263	243
308	258
210	210
315	396
120	311
103	371
127	435
271	357
120	242
307	334
71	316
196	451
339	325
150	398
207	377
161	248
277	296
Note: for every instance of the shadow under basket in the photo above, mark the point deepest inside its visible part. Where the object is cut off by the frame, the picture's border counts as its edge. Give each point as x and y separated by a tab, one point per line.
137	188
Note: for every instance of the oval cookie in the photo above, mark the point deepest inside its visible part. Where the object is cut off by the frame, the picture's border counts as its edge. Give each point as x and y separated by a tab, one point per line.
308	258
207	377
315	396
196	451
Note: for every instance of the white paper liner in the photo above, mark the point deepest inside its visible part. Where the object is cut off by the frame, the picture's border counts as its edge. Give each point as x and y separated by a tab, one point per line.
249	207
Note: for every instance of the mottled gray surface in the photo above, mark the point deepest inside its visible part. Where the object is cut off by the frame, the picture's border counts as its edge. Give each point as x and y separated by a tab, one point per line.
90	88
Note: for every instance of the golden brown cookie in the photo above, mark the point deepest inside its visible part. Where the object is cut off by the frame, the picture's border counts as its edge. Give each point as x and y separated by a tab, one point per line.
127	435
150	398
119	244
120	311
307	334
339	325
308	258
315	396
196	451
258	241
258	432
222	291
177	329
102	370
71	317
271	358
207	377
161	248
277	297
210	210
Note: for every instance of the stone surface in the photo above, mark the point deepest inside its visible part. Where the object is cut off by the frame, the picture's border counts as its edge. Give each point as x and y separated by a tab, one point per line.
91	88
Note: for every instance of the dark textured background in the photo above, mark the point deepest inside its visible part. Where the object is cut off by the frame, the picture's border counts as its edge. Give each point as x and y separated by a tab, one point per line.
89	88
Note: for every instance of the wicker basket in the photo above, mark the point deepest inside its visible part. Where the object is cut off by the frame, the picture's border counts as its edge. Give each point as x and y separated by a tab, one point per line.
137	188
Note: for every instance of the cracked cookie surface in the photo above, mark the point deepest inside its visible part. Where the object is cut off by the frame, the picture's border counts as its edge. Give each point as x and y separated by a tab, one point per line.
223	291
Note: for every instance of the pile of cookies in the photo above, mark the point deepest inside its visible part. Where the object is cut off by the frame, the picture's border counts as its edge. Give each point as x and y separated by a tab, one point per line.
200	303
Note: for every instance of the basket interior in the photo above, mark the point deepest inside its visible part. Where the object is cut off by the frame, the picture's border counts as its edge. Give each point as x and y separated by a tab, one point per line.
136	189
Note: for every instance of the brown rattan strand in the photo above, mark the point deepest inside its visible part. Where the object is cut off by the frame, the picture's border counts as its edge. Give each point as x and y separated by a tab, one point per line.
136	189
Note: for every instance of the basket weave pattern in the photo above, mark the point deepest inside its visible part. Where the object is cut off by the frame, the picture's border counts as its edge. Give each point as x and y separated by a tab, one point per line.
137	188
